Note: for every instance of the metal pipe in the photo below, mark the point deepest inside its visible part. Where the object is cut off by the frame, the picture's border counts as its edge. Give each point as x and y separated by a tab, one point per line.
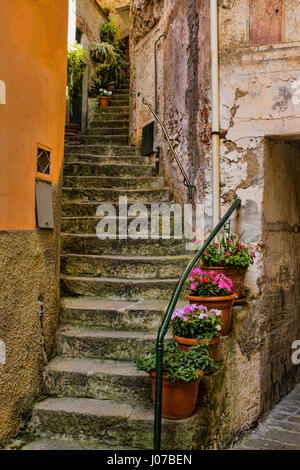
155	71
215	109
166	320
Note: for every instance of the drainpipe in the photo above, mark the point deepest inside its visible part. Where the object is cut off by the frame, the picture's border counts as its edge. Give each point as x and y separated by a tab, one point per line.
215	109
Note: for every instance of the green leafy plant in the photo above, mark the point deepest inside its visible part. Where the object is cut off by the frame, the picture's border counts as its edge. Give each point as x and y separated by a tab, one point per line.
178	365
230	252
196	322
76	67
210	284
103	52
109	32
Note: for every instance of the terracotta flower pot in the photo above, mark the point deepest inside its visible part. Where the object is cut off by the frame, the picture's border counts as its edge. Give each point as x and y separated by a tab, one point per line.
218	303
186	343
104	101
237	275
178	398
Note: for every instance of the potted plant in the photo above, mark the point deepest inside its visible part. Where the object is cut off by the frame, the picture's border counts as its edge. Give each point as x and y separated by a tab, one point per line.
229	257
77	62
214	291
71	129
104	97
194	324
182	371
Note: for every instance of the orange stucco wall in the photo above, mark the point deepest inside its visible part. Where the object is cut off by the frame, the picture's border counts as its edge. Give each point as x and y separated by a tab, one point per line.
33	54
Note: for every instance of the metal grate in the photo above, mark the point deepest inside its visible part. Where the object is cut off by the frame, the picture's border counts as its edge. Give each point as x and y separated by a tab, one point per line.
43	161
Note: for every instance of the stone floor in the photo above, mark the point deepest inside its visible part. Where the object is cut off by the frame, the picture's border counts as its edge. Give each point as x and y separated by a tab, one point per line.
280	430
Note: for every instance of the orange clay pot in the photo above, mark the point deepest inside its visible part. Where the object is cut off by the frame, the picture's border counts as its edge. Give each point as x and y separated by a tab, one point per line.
104	101
186	343
217	303
237	275
178	398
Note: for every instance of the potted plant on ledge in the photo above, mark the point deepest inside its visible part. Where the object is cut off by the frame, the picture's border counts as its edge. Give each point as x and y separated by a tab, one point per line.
229	257
182	371
194	324
214	291
104	97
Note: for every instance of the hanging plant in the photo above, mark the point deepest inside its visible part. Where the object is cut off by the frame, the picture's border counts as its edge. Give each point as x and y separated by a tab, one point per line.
109	32
103	53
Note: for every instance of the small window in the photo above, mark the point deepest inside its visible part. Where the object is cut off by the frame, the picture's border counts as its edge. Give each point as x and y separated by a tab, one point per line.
43	161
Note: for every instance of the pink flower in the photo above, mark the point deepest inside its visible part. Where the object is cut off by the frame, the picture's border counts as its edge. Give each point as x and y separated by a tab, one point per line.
185	319
205	253
253	254
227	253
229	242
217	245
196	241
194	286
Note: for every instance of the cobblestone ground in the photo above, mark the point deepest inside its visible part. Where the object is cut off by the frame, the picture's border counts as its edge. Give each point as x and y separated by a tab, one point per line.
280	430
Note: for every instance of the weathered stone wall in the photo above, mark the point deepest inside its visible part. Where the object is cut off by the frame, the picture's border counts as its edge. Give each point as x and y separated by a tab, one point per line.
259	99
29	273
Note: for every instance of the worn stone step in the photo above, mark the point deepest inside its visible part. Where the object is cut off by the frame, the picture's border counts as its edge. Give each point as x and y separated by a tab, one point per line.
90	378
107	194
109	423
124	131
102	150
111	116
129	267
119	102
114	169
68	444
143	182
90	244
118	124
120	95
89	209
112	159
88	225
122	91
117	139
117	315
117	288
103	345
112	109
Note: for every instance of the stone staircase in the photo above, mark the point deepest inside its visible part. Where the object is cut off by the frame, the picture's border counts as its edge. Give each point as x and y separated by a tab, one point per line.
114	293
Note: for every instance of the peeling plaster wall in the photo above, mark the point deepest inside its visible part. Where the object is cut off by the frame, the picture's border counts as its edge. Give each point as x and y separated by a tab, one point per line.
260	97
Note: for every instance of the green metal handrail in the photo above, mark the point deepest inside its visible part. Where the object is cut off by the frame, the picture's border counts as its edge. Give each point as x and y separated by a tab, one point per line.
166	320
165	132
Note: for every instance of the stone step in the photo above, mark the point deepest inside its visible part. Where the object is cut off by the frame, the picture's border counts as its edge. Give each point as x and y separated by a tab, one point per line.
128	267
121	159
109	423
119	102
112	109
89	225
120	95
106	194
108	131
114	169
89	209
68	444
124	123
102	150
117	315
117	139
150	182
112	380
102	345
117	288
90	244
99	118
